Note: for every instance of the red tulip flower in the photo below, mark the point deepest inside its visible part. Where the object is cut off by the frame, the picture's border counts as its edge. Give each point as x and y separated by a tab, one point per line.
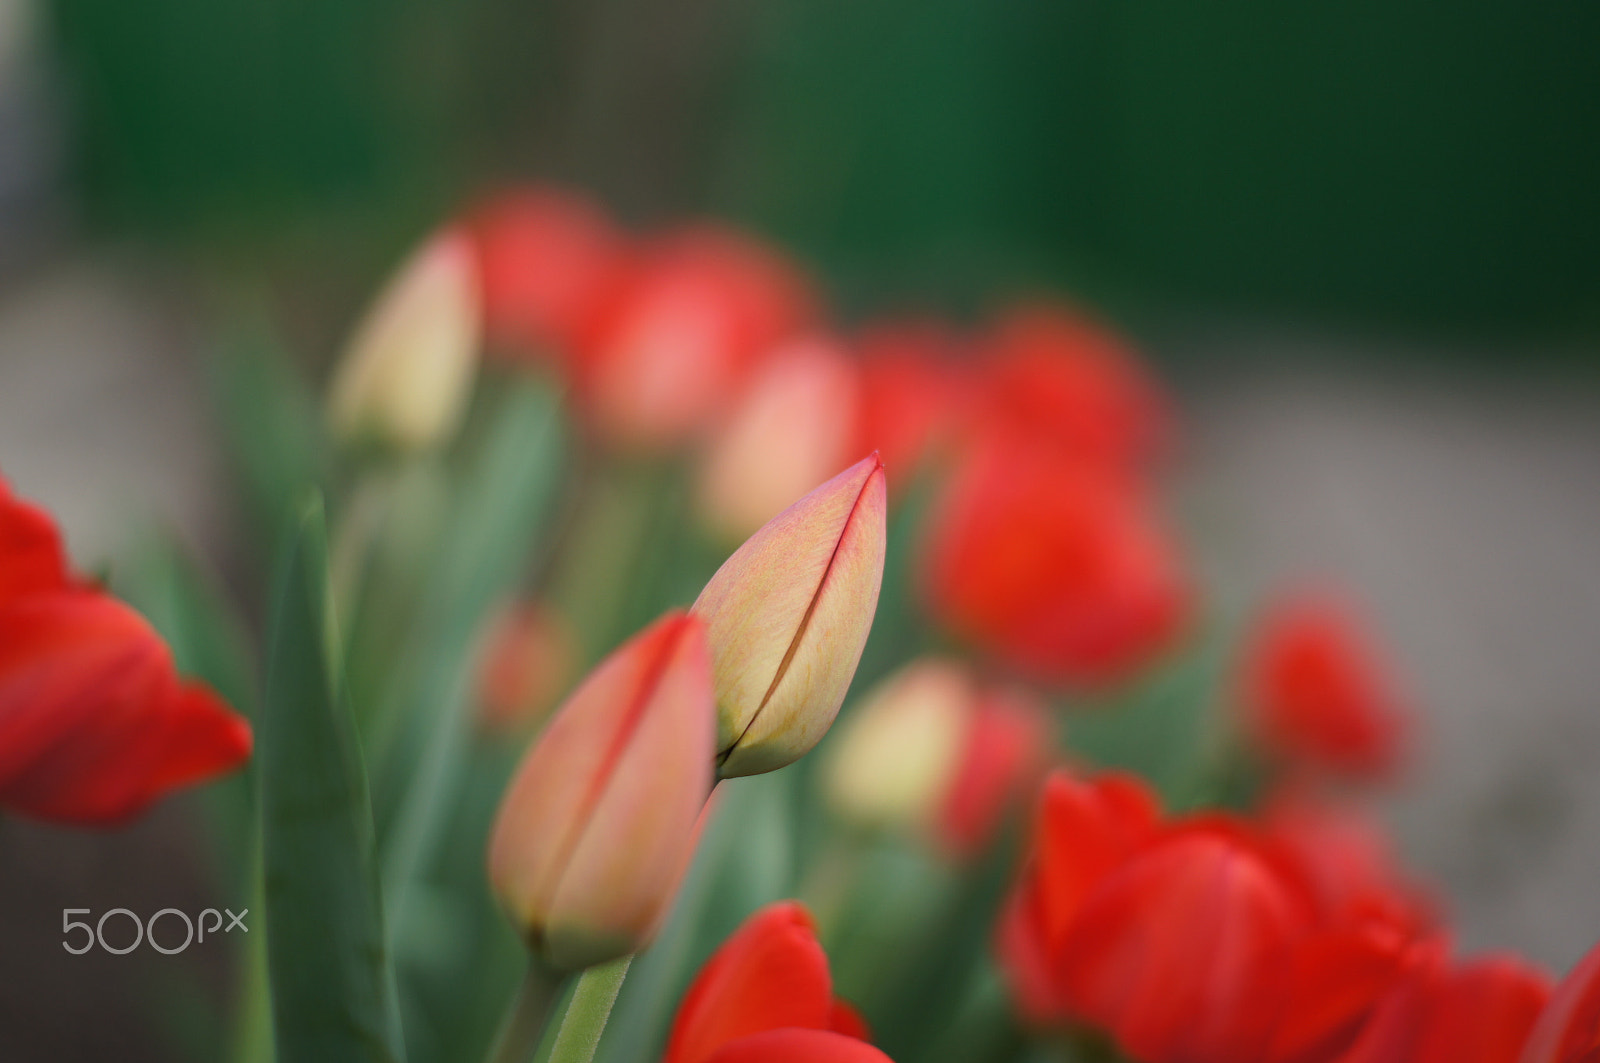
95	723
1179	953
766	996
1053	566
1316	695
681	332
547	259
1568	1029
1085	831
1057	378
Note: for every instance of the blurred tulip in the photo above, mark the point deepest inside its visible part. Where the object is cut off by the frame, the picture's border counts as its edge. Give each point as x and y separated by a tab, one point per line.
927	753
897	752
407	375
1316	696
1482	1011
1002	757
789	430
910	393
1339	990
548	258
528	657
1053	376
1568	1029
766	996
1052	566
1179	954
1348	863
95	723
678	337
787	616
1085	830
598	825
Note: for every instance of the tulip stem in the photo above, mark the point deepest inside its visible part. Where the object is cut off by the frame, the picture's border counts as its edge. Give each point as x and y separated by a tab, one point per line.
588	1012
525	1018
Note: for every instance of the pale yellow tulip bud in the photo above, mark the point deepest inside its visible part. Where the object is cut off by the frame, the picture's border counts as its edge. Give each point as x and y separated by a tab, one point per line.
787	617
407	375
891	765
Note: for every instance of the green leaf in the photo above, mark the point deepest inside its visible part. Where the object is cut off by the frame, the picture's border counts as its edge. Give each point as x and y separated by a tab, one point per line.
497	522
269	421
333	993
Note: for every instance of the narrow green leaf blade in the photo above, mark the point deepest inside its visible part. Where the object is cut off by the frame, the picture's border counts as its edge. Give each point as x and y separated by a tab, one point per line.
333	995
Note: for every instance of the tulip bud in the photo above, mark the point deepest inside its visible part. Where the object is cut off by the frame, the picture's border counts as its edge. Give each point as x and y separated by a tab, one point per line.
527	661
407	374
899	749
598	825
790	428
787	617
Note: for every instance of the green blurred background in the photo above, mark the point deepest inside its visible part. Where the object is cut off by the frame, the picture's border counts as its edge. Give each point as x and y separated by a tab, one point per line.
1404	162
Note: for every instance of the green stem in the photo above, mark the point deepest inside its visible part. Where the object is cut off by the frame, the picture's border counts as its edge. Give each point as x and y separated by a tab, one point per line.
525	1018
586	1016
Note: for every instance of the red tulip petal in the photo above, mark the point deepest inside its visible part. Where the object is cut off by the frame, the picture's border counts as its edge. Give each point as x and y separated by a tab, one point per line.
770	974
848	1021
798	1046
1569	1029
31	555
1086	830
1180	952
94	724
1482	1011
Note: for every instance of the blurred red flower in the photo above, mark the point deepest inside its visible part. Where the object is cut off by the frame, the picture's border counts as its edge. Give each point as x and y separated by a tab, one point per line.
766	996
1568	1029
547	258
1056	377
911	399
1316	696
680	332
1001	758
1057	567
95	723
1084	831
528	657
1179	953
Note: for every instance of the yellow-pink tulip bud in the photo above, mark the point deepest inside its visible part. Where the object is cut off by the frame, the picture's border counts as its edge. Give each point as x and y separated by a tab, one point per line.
597	826
406	377
787	616
790	429
892	762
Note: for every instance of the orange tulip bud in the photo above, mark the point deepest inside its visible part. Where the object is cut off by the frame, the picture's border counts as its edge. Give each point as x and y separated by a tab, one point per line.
787	616
598	824
407	374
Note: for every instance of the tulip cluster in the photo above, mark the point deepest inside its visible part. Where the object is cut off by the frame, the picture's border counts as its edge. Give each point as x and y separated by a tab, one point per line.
610	518
1287	939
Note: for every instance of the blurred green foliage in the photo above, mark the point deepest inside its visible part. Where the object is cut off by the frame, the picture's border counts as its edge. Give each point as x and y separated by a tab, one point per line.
1398	160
